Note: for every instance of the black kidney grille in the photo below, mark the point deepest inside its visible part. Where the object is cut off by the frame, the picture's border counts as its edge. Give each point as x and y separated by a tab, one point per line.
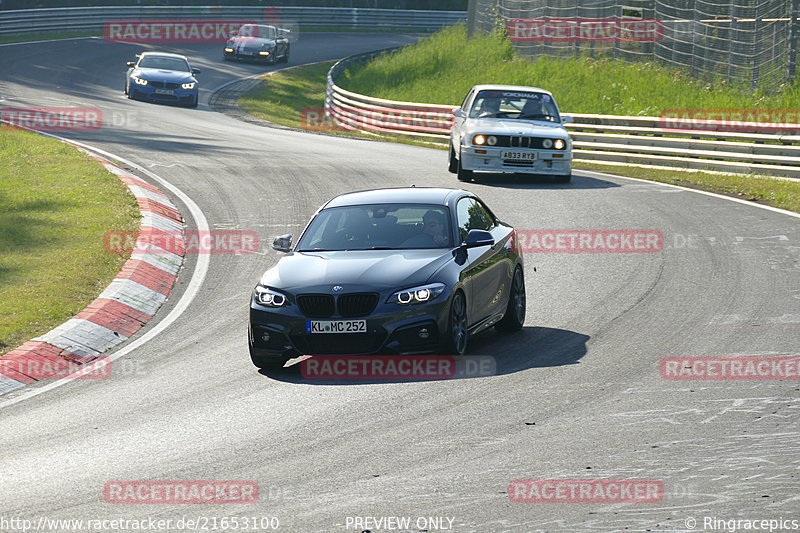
515	141
172	85
316	305
357	304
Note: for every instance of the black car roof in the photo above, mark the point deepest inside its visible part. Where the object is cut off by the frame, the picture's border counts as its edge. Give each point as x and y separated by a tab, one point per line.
410	195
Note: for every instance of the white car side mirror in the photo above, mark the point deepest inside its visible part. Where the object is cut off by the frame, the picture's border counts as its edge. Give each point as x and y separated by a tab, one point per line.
565	119
458	113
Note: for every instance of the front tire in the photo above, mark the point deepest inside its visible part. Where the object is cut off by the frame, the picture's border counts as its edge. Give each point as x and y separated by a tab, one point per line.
515	310
453	165
463	174
457	332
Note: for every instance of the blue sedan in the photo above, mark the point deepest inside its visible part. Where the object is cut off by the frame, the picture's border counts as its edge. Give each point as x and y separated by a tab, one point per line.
162	77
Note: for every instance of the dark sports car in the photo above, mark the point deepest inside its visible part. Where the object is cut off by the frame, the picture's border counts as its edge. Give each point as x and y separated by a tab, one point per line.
162	77
396	271
257	42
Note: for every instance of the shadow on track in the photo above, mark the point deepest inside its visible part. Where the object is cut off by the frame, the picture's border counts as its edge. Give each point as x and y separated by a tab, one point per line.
532	347
526	181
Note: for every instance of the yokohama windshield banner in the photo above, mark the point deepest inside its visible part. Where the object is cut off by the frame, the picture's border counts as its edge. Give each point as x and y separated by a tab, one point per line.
171	30
570	30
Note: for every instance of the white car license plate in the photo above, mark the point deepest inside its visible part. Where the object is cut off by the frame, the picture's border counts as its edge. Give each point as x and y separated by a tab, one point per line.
164	91
336	326
518	156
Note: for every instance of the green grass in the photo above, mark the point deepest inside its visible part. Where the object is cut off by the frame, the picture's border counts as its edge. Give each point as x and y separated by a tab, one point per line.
45	36
55	205
441	69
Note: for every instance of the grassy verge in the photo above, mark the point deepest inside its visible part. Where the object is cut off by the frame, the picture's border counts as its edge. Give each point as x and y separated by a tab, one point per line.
55	205
441	69
46	36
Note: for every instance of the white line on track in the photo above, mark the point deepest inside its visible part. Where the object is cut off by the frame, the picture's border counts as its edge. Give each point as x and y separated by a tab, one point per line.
192	288
49	41
715	195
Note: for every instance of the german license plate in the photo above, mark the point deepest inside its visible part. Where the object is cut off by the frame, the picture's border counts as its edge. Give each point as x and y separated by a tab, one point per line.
336	326
518	156
165	91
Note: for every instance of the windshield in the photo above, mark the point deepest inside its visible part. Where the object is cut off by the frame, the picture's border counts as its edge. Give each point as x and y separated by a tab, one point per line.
164	63
378	227
521	105
262	32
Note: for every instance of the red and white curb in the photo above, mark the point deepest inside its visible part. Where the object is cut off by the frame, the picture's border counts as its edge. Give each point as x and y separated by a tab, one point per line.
132	298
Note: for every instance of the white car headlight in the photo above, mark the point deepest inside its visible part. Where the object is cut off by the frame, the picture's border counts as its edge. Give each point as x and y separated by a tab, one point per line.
491	140
417	295
139	81
269	297
479	139
559	144
188	85
547	143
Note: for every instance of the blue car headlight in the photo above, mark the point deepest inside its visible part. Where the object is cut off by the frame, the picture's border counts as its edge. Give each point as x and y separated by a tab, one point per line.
417	295
270	297
139	81
188	85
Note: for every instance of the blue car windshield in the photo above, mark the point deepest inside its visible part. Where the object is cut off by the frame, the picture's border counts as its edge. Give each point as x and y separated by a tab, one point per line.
523	105
378	227
164	63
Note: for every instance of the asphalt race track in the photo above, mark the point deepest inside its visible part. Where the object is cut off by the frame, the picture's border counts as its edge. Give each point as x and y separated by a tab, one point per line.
577	395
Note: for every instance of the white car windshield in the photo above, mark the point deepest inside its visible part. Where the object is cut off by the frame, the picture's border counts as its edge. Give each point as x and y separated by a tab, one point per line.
261	32
512	104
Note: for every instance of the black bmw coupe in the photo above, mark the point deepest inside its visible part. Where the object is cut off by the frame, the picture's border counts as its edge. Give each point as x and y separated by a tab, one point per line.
397	271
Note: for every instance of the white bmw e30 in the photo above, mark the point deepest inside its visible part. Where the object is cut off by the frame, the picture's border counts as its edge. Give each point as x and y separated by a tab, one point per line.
510	128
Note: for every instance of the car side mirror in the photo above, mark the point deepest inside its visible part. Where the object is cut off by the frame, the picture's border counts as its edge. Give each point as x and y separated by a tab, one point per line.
131	63
458	112
195	71
282	243
479	237
565	119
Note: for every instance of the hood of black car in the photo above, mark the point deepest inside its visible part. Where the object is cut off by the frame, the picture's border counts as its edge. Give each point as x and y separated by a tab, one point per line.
355	270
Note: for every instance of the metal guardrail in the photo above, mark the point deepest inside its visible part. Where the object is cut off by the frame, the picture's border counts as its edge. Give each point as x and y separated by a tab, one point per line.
603	139
92	18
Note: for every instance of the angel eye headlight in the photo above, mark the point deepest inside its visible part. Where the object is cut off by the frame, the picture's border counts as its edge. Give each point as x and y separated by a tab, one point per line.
479	139
139	81
547	143
269	297
559	144
417	295
188	85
